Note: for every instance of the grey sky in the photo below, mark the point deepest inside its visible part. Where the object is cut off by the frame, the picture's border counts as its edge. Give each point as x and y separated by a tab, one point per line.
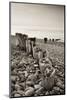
35	18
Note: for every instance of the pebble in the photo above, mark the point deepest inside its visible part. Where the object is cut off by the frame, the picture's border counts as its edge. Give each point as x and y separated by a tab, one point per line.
13	92
20	72
29	83
59	84
37	87
52	92
48	83
20	92
61	91
47	93
26	74
13	78
29	92
39	91
22	78
32	77
57	89
35	65
17	86
14	72
22	84
17	95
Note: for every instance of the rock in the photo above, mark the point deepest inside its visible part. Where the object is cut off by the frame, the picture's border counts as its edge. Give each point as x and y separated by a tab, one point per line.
23	61
56	66
54	61
60	85
35	65
35	95
29	91
13	64
59	81
45	68
17	95
20	72
18	79
43	61
12	87
48	83
52	73
22	78
56	89
35	61
20	92
47	61
31	71
14	71
29	77
39	91
37	87
22	84
52	92
13	78
29	83
60	74
32	77
26	74
17	86
30	60
14	92
62	91
47	93
28	69
40	82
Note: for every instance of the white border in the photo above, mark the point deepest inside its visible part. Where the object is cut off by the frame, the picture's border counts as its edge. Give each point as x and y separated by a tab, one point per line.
4	49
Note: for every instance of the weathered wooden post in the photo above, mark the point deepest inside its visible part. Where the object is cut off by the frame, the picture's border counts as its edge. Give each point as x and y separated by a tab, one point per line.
28	47
30	43
45	40
22	40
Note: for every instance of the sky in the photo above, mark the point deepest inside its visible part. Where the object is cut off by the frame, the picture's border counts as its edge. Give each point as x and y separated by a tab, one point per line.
37	20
